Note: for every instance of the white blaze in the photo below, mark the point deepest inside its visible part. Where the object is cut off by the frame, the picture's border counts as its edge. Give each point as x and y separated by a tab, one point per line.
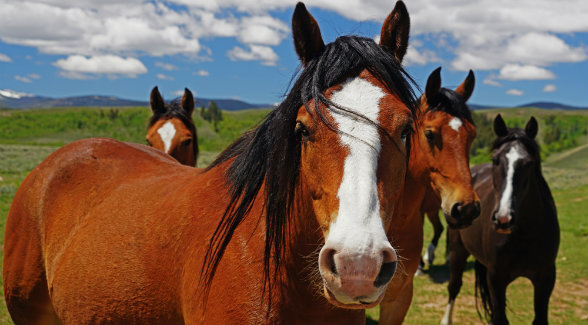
358	226
167	133
455	123
506	199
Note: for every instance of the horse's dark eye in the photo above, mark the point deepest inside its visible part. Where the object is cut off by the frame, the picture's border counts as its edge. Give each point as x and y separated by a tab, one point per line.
495	161
429	135
187	142
302	130
406	132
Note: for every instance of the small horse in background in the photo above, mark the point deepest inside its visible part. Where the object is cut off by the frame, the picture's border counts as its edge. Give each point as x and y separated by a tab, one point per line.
439	156
172	129
287	226
517	233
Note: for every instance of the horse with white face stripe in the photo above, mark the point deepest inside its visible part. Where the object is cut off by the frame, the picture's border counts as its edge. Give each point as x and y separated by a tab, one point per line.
517	233
171	128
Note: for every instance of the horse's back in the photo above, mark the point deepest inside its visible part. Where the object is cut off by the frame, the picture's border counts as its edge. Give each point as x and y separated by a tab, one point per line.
69	233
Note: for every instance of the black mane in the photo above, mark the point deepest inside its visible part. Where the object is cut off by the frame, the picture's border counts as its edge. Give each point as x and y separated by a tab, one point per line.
450	102
175	110
270	154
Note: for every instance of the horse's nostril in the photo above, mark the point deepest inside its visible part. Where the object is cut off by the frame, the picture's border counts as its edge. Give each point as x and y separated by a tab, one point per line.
456	211
329	261
386	273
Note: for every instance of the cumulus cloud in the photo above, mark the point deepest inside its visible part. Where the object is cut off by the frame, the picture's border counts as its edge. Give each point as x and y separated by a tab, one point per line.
490	81
524	72
549	88
202	73
5	58
22	79
166	66
256	52
164	77
515	92
101	64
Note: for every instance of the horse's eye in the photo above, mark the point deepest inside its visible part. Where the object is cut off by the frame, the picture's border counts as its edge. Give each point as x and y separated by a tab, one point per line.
187	142
406	132
429	135
302	130
494	161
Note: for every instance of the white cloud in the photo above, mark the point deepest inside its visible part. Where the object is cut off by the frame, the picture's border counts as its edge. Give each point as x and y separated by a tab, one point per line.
490	81
105	64
164	77
22	79
5	58
202	73
264	30
415	55
524	72
34	76
515	92
256	53
166	66
549	88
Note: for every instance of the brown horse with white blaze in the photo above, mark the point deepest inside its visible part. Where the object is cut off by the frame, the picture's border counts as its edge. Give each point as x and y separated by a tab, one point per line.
172	129
110	232
439	159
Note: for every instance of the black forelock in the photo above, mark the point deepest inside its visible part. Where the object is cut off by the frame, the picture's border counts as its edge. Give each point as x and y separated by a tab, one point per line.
519	135
270	154
450	102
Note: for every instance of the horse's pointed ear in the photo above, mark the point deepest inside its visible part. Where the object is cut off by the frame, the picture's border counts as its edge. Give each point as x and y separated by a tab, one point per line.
188	101
467	87
433	86
500	127
531	128
307	34
394	34
156	101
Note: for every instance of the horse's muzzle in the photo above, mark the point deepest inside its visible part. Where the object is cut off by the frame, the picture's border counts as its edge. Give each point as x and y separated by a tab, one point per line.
503	224
462	215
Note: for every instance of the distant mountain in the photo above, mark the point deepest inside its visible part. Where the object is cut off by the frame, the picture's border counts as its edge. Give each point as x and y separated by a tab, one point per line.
550	105
18	100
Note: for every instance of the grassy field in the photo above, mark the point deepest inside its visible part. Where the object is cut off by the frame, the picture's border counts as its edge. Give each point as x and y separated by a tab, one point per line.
27	137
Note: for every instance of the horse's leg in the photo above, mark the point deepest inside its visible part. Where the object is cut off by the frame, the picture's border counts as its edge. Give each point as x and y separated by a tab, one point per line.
543	283
497	286
25	282
458	256
433	216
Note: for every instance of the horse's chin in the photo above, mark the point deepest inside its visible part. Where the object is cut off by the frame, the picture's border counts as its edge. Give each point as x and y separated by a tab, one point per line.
357	305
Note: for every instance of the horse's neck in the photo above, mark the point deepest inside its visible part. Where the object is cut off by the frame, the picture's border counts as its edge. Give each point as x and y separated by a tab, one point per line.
536	204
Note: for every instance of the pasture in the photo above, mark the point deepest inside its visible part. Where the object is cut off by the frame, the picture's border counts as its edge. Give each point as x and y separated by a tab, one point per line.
27	137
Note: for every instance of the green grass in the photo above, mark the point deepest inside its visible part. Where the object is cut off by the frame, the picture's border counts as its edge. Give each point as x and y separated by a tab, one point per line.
27	137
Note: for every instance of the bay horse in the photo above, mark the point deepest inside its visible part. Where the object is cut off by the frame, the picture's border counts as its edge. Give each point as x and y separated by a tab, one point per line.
439	159
287	225
517	233
171	127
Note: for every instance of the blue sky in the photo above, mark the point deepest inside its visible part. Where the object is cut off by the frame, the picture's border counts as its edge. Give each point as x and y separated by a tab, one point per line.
520	51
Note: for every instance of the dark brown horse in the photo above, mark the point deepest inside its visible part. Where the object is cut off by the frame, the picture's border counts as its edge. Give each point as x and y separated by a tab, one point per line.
517	233
171	128
288	225
439	159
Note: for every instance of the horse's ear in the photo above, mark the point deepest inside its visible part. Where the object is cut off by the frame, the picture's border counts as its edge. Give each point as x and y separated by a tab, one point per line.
433	86
307	34
156	101
188	101
500	127
394	34
531	128
467	87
